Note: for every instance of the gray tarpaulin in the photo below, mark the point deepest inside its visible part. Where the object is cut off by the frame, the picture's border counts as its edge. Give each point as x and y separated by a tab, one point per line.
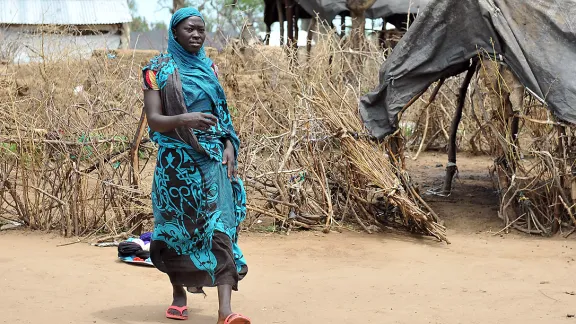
328	9
535	38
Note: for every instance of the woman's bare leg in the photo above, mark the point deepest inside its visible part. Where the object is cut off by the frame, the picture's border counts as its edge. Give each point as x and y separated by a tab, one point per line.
224	301
180	299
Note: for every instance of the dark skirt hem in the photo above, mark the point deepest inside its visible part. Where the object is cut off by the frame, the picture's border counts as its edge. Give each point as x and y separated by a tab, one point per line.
182	271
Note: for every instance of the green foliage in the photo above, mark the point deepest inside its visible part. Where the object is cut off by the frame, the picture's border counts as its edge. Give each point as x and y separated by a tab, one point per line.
245	10
223	16
233	110
133	7
139	24
249	6
159	25
10	147
220	15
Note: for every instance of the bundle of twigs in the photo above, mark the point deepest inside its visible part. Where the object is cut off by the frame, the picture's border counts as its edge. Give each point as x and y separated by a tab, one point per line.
534	164
315	166
71	157
427	123
66	127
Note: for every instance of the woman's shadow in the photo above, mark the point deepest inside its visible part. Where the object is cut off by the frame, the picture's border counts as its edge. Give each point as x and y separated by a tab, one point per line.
147	314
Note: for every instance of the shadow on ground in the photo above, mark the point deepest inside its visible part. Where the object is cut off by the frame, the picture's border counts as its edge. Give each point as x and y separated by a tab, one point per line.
146	314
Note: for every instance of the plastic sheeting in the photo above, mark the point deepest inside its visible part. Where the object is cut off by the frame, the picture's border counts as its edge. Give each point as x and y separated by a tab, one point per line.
535	38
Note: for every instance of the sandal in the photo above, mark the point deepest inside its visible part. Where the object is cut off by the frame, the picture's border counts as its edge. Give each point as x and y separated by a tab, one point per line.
180	310
236	319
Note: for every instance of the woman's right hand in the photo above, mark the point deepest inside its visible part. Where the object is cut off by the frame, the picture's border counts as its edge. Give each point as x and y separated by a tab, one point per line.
161	123
199	121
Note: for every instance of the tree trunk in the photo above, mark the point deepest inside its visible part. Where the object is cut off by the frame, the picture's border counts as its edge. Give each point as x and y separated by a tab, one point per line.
358	12
177	4
358	29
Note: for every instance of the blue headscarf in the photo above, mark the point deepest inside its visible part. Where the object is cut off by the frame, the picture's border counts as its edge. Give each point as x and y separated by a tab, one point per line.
195	69
196	79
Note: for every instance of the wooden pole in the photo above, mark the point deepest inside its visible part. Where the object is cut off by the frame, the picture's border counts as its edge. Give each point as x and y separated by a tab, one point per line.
73	228
289	5
563	167
268	32
279	7
311	29
290	20
573	184
451	168
382	35
296	28
134	159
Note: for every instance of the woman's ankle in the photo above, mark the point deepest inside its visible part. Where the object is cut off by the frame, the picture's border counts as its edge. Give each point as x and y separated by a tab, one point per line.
179	295
223	314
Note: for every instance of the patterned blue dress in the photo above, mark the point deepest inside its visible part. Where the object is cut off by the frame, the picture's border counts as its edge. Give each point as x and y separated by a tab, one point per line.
197	208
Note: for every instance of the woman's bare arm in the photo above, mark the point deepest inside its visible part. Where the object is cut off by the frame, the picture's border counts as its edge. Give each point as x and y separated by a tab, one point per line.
161	123
156	120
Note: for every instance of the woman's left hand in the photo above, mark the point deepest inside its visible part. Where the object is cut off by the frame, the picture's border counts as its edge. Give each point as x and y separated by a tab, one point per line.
229	160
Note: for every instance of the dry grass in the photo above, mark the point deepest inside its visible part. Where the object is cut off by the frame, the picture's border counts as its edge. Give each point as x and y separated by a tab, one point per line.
307	162
66	130
533	171
311	159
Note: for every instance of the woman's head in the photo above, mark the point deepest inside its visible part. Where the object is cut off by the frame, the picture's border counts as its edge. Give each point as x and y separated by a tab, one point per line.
188	29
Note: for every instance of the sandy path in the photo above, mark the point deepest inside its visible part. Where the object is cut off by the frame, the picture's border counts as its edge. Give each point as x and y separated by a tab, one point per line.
305	278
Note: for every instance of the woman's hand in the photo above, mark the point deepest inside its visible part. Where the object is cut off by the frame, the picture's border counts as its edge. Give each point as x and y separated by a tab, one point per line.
230	160
199	121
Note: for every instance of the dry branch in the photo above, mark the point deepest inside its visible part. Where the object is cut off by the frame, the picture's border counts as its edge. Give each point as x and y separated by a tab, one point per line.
306	158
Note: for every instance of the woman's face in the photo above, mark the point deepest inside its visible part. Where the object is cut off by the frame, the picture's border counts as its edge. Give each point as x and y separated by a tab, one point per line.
190	34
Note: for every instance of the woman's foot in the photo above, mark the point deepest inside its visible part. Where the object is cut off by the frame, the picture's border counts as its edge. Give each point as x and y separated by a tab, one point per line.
225	314
222	316
180	300
232	318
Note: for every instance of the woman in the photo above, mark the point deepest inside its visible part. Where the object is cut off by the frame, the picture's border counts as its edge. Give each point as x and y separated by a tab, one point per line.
198	202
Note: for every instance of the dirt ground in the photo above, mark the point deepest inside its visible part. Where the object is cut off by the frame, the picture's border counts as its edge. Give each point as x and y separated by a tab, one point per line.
316	278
